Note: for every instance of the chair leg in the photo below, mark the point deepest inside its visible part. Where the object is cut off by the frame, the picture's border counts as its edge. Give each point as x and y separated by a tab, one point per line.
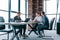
15	35
8	36
14	31
29	32
35	32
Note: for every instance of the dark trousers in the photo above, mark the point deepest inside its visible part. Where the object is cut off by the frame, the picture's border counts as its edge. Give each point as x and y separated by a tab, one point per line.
23	30
40	27
20	28
15	33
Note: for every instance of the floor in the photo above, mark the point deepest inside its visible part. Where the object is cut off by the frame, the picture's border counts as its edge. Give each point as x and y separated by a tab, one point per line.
52	35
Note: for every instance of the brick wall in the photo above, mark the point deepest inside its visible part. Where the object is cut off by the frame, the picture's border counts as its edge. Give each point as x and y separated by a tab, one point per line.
33	6
30	8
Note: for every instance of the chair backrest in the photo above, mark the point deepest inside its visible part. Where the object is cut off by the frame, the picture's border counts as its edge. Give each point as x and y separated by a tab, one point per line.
2	26
1	19
51	24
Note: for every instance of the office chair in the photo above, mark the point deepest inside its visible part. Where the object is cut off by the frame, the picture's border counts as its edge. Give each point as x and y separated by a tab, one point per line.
2	28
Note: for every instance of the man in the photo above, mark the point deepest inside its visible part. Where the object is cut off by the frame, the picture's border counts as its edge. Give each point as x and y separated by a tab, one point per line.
45	21
20	27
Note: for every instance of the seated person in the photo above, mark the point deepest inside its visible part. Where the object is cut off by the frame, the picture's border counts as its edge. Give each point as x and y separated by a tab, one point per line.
46	22
39	19
20	27
45	19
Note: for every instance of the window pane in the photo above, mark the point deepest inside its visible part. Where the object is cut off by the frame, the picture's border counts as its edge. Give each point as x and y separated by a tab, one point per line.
22	17
51	7
22	6
4	15
58	18
14	5
22	9
13	15
59	7
4	4
50	17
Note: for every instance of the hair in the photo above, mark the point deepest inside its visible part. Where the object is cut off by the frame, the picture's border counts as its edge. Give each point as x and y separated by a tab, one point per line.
18	12
38	13
43	12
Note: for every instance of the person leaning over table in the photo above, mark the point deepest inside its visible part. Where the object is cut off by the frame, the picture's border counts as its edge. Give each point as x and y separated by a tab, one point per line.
17	18
39	19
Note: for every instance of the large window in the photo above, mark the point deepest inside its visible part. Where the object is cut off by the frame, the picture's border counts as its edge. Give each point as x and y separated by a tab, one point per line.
50	8
5	11
14	5
4	15
22	9
59	7
4	8
4	4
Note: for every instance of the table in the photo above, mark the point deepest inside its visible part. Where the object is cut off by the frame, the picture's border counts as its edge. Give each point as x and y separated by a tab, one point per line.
16	23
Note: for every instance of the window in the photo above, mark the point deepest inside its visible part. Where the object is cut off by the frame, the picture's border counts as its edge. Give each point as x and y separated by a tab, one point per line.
59	7
50	8
12	15
22	9
14	5
4	4
4	15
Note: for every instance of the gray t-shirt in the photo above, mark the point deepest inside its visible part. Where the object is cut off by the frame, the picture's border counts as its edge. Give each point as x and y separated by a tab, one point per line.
38	19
